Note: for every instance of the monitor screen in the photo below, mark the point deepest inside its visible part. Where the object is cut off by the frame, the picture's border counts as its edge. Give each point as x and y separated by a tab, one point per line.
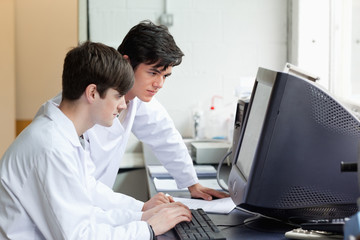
287	162
253	125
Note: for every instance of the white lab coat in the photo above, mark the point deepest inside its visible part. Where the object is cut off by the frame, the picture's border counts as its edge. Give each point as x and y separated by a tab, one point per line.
47	193
152	125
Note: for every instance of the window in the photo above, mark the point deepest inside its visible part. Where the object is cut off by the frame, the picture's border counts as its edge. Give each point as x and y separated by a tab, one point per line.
325	40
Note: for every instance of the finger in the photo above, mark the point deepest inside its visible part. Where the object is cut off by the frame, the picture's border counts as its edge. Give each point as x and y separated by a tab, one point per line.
189	215
160	194
171	199
158	197
183	212
217	194
207	197
201	194
164	200
179	204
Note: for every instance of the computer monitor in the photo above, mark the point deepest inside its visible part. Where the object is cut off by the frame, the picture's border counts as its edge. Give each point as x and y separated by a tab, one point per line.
287	162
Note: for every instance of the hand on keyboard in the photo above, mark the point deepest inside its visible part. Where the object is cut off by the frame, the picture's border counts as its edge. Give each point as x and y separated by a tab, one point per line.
200	227
164	217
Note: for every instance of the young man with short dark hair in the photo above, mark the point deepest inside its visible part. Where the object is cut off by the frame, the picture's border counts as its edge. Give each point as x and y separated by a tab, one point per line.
47	187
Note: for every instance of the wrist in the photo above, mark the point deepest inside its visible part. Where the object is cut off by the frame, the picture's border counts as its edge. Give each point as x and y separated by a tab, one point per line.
193	186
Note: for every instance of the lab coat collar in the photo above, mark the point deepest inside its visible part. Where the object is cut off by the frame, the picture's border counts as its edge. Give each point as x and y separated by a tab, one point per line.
53	112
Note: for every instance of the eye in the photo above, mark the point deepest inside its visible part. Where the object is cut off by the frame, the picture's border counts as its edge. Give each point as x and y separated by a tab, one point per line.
153	73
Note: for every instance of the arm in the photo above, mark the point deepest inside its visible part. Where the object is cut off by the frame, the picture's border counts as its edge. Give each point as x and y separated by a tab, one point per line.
154	127
62	207
106	198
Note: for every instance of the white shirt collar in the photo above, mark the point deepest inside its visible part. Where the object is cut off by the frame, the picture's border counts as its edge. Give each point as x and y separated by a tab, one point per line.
53	112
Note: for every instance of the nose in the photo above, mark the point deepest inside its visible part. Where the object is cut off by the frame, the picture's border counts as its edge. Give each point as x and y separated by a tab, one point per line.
159	82
122	104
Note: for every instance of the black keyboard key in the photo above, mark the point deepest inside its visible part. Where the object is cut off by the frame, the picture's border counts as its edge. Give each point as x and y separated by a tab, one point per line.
213	227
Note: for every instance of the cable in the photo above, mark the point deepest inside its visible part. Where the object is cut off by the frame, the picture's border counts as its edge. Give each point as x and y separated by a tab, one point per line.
218	171
246	211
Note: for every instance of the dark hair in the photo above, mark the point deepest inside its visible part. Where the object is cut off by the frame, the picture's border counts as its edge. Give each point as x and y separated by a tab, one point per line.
148	43
95	63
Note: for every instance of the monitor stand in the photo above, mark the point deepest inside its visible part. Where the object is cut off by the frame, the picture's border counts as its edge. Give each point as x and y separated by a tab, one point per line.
265	224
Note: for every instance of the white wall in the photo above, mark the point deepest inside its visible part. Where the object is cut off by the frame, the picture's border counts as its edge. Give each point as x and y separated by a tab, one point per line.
224	41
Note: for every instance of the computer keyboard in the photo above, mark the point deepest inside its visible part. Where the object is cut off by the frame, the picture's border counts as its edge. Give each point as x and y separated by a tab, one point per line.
200	227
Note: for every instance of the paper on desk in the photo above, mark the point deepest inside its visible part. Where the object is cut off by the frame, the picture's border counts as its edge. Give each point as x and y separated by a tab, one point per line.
170	184
160	171
222	205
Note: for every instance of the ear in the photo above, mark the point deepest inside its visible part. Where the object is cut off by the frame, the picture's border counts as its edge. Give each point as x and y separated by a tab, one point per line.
126	57
90	93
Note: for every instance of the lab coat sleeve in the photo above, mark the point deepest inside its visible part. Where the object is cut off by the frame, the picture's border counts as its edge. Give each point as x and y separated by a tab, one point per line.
108	199
63	209
103	195
154	127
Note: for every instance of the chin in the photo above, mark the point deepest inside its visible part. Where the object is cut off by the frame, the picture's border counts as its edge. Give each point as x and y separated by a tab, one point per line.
146	99
108	124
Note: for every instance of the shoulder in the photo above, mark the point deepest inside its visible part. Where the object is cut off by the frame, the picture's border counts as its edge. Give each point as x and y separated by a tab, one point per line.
41	137
33	146
150	107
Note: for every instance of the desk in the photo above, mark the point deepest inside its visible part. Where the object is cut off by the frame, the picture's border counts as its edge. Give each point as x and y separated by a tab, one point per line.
132	170
231	225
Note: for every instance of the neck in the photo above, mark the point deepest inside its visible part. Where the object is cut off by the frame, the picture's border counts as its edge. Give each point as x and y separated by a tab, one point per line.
129	96
77	113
